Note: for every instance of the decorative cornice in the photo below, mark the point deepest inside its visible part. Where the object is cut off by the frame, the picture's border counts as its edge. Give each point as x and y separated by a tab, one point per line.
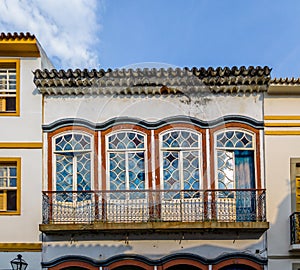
66	122
152	81
176	256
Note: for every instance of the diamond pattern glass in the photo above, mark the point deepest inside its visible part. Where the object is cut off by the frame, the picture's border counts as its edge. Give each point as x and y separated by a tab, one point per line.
127	163
180	139
126	140
191	170
181	162
73	163
73	142
234	139
233	162
64	173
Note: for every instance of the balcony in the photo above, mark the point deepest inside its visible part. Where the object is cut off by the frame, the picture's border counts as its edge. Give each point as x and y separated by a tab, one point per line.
241	211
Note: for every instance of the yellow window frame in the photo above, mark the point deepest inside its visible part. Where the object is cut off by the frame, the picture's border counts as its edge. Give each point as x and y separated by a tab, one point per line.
17	63
17	161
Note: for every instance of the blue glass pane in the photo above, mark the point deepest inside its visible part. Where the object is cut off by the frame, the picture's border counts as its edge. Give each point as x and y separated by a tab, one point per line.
68	137
117	171
229	144
13	171
136	171
229	134
13	182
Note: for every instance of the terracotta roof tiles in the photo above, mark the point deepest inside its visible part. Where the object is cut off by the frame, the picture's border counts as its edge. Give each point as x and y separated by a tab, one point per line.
16	36
152	81
285	81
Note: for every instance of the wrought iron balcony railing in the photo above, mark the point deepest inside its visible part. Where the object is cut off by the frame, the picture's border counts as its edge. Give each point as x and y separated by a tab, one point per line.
295	228
154	206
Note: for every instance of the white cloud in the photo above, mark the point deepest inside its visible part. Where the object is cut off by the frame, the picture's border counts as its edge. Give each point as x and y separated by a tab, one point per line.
67	30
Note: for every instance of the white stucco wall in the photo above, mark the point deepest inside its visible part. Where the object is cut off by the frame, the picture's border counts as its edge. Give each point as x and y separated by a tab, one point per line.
24	227
27	126
152	249
101	108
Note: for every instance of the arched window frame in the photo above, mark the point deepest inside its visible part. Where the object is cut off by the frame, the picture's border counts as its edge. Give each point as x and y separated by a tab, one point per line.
69	264
127	151
186	262
237	261
55	153
252	148
258	154
199	149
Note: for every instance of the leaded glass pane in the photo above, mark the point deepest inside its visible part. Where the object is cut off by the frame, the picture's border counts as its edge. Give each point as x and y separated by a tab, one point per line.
180	139
117	171
84	172
191	170
225	169
73	166
136	165
73	142
136	170
234	139
126	164
181	167
126	140
171	170
64	173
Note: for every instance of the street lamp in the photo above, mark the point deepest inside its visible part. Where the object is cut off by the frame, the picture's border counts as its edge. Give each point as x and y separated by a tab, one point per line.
18	263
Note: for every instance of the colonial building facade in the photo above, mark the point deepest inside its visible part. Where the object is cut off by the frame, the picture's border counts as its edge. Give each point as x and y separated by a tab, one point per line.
145	168
154	168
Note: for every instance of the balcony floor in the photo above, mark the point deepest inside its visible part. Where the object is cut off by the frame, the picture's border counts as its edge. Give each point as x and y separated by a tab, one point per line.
225	230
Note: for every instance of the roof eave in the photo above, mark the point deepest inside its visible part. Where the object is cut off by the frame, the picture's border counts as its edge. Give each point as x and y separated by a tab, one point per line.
284	89
19	48
152	90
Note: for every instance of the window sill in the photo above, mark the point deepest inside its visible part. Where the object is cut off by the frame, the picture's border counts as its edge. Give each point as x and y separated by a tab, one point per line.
12	213
9	114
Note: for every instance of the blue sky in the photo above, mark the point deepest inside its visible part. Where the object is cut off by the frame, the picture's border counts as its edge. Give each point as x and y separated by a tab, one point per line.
119	33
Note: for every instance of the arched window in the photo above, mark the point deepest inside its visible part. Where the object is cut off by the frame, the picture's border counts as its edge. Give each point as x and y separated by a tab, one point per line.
180	155
126	156
73	200
73	159
235	174
181	177
126	179
235	159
